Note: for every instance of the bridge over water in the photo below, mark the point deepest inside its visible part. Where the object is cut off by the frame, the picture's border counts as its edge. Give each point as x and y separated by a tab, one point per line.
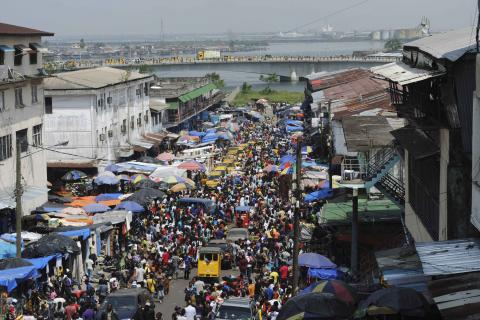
288	68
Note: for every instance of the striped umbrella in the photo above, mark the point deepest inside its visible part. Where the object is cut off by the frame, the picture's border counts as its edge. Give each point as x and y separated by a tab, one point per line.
339	288
137	178
173	179
123	177
192	166
165	156
179	187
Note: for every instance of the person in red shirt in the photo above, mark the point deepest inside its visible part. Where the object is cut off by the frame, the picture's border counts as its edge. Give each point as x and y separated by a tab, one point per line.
71	310
283	274
165	258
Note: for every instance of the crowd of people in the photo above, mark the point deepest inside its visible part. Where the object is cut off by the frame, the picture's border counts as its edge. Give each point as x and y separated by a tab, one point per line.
164	241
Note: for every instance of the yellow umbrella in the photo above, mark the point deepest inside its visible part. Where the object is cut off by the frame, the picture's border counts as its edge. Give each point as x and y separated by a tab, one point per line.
189	182
212	183
215	174
179	187
228	160
220	168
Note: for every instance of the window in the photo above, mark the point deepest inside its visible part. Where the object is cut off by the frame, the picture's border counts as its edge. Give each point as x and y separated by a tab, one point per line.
37	135
140	90
34	94
48	105
5	147
2	101
146	89
132	122
17	60
139	120
19	98
22	136
2	57
33	55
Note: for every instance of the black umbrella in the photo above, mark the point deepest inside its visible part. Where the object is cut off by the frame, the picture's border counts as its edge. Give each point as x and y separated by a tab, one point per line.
148	159
315	306
146	183
163	185
49	245
403	301
59	199
146	195
12	263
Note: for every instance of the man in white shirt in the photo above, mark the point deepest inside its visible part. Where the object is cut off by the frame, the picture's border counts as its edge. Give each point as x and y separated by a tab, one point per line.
190	312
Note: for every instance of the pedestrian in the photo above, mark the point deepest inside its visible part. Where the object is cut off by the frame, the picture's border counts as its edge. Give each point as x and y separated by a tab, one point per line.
109	314
190	311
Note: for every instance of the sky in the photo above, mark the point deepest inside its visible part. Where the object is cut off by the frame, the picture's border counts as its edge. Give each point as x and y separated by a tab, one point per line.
142	17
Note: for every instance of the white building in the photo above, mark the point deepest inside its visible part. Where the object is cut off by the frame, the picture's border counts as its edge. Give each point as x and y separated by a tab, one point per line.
103	113
21	111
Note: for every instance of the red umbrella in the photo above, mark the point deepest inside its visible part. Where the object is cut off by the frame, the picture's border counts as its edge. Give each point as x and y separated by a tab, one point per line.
192	166
165	156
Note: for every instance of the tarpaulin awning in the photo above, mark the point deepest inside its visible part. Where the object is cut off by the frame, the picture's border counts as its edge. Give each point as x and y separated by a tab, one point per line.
40	263
84	233
141	145
325	274
108	196
11	277
197	92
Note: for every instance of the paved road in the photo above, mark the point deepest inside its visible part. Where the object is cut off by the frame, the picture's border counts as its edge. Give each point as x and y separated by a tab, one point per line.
177	294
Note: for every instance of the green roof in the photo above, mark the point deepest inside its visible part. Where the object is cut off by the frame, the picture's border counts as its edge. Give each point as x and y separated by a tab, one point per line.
368	211
173	105
197	92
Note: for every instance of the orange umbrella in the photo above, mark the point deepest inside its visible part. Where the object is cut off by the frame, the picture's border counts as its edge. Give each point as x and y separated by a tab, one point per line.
111	203
81	201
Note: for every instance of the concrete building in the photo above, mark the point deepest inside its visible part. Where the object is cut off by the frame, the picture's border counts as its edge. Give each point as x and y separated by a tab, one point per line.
103	113
185	99
21	111
432	89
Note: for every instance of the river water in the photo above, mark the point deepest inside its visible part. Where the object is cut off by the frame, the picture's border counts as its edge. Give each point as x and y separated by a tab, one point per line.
234	79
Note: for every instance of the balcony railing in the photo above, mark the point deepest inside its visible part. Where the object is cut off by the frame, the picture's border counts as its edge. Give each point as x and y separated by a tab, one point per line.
192	111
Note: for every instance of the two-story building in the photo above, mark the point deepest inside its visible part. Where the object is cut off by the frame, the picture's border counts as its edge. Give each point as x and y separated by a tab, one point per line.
432	89
186	98
21	111
103	113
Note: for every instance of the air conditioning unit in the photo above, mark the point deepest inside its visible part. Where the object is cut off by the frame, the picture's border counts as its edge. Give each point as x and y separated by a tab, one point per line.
123	128
109	100
101	137
110	133
139	121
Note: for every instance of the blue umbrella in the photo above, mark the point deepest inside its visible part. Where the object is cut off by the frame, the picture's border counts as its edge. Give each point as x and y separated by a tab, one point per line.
293	128
196	133
106	180
294	123
318	195
74	175
315	260
113	168
242	208
287	158
95	208
130	206
108	196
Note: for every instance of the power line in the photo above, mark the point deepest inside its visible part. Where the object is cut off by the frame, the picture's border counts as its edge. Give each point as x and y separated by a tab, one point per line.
329	15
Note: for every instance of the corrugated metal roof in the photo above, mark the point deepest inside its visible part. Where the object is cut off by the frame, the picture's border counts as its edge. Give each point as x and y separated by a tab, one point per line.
450	45
402	74
197	92
95	78
449	257
336	78
12	30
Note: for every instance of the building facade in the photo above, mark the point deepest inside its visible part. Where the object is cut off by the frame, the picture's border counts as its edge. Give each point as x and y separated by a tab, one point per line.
103	113
21	112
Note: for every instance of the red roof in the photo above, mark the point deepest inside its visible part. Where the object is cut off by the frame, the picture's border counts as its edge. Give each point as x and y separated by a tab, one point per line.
338	77
12	30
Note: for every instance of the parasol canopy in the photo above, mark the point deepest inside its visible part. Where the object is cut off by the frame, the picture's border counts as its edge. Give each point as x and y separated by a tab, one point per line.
192	166
315	306
130	206
179	187
106	180
49	245
74	175
314	260
147	159
113	168
165	156
73	211
106	174
108	196
146	195
96	208
146	183
136	178
339	288
395	300
123	177
173	179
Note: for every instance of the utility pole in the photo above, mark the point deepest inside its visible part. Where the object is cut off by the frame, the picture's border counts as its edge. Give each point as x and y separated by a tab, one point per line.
354	250
18	199
330	148
296	217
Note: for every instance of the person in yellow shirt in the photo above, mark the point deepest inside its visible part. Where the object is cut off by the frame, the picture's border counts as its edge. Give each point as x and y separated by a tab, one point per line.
274	276
151	284
251	290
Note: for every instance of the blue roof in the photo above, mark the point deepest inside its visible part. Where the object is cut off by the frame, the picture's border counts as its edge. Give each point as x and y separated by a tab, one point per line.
10	278
84	233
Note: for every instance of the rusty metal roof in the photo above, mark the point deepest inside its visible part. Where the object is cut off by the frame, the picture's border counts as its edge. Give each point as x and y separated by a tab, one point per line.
336	78
403	74
12	30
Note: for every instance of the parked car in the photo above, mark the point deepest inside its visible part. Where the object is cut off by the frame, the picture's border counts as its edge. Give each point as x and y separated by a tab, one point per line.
236	234
126	302
236	308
